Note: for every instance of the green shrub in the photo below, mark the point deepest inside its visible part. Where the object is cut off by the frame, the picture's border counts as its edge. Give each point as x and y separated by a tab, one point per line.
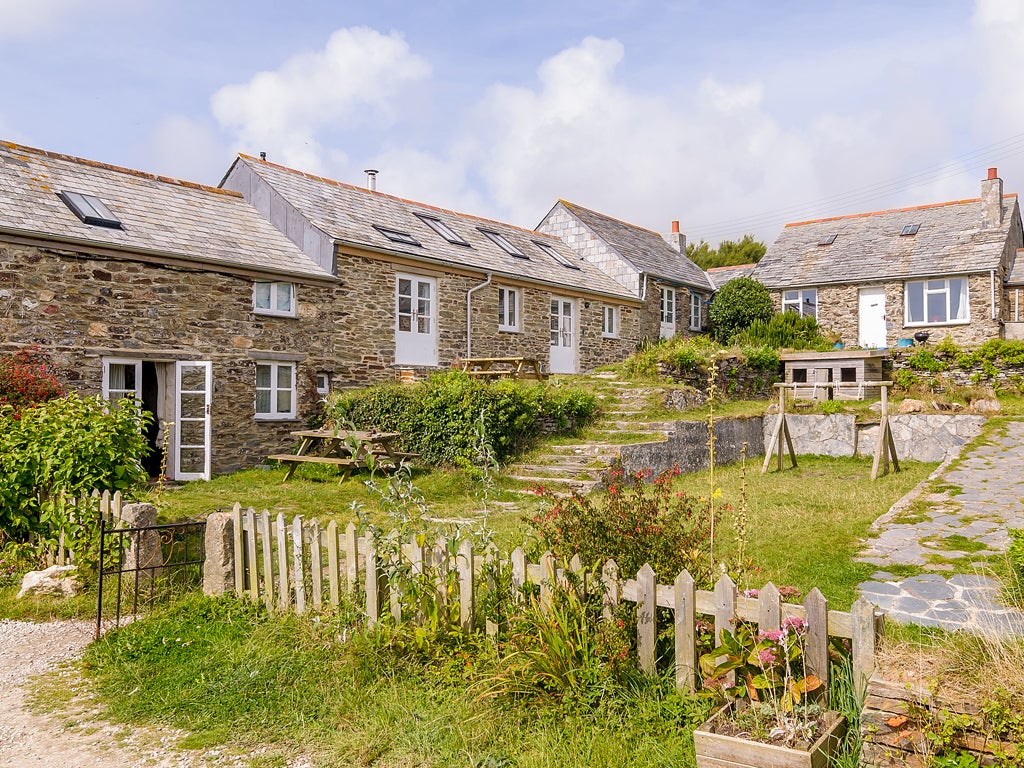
27	378
438	417
784	330
737	304
1015	553
924	360
905	379
763	358
947	347
830	407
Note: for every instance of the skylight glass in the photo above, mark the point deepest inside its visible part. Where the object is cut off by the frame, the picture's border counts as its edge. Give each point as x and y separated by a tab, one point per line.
442	229
502	242
397	236
90	209
554	254
910	229
828	239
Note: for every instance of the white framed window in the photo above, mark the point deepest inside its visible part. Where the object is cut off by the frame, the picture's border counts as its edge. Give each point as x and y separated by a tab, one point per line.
122	378
930	302
275	390
696	312
803	302
668	306
610	322
508	309
273	298
323	383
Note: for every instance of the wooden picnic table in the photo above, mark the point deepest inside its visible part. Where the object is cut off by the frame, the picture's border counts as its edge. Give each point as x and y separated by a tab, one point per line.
503	367
346	449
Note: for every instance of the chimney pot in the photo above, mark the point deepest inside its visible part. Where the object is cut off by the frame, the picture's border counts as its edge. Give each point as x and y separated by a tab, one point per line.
992	200
993	173
675	227
371	179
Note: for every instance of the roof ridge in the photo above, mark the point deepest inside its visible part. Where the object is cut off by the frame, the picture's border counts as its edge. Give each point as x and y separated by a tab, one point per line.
610	218
119	169
428	206
965	201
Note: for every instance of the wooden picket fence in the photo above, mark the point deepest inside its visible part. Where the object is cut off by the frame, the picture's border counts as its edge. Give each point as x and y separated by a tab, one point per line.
302	565
107	504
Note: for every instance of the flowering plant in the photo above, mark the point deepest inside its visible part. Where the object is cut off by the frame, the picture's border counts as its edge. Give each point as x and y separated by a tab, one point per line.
765	670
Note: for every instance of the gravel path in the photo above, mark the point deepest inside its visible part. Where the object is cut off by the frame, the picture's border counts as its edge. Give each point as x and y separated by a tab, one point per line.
74	739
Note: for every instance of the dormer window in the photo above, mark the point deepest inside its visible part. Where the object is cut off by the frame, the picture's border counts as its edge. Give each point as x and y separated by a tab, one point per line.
910	229
554	254
828	239
504	243
397	236
442	229
90	209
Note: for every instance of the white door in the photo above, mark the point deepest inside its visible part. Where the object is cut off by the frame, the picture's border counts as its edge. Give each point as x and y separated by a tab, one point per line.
563	335
415	320
668	313
872	318
193	387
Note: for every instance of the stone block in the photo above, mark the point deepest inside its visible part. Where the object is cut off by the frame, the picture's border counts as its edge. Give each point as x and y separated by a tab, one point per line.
219	563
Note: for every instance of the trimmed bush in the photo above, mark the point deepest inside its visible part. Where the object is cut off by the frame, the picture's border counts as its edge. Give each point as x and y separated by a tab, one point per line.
737	304
784	330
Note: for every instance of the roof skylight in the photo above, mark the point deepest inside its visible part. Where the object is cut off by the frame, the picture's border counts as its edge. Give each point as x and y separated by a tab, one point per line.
90	209
910	229
554	254
503	242
397	236
828	239
442	229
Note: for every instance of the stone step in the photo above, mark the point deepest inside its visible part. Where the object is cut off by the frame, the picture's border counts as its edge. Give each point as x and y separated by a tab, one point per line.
598	450
555	470
564	483
638	426
568	460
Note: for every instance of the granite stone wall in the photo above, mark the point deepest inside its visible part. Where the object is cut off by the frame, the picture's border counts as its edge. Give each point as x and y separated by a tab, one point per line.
687	446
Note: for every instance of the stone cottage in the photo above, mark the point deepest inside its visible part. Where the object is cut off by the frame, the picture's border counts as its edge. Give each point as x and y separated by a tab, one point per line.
422	287
673	290
171	292
881	279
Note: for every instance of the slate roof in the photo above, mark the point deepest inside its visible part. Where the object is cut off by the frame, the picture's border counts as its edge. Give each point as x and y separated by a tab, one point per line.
868	247
160	216
1016	274
350	214
647	251
722	275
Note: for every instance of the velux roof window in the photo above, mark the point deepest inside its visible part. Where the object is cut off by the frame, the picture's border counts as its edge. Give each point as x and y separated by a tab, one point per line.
397	236
828	239
442	229
505	244
90	209
910	229
554	254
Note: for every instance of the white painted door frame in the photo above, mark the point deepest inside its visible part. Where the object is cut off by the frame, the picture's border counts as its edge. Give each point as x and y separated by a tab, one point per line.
564	335
193	390
415	320
872	330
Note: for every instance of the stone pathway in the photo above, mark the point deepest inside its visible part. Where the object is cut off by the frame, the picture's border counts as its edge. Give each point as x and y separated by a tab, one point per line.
966	521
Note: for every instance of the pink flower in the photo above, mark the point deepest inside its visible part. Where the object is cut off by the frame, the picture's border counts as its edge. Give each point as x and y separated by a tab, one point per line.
750	593
775	635
795	623
766	657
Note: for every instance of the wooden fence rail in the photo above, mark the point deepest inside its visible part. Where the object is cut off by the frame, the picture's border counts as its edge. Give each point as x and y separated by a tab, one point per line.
302	564
109	507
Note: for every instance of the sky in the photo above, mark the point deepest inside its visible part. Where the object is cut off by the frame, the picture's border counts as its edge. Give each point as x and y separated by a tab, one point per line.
730	116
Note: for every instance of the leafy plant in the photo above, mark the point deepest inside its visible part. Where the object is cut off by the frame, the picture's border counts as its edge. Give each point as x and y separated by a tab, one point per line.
784	330
27	378
830	407
737	304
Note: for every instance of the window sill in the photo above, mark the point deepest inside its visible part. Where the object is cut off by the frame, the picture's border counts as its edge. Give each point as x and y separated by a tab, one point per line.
609	335
508	329
277	417
272	313
937	324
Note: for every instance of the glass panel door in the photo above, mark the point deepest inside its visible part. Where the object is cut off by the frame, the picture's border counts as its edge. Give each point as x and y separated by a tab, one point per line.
192	420
415	320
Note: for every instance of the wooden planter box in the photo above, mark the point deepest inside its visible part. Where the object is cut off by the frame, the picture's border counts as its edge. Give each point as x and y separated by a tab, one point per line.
718	751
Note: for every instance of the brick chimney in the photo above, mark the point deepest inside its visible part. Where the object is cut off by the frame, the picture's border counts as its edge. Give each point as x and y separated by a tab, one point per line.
676	239
992	200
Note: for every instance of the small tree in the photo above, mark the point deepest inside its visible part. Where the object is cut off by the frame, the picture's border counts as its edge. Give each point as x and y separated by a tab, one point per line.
737	304
27	378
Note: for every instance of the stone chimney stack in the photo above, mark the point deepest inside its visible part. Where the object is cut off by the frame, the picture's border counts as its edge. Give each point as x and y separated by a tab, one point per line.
992	200
677	239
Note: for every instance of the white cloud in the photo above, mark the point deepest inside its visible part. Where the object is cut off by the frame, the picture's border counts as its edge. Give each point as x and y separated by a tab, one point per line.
356	81
23	18
188	149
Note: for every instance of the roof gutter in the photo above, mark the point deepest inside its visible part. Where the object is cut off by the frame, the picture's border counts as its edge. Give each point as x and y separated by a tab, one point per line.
469	313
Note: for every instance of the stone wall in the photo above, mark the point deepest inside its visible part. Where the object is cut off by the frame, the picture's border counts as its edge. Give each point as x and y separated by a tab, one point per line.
918	437
687	446
735	379
994	373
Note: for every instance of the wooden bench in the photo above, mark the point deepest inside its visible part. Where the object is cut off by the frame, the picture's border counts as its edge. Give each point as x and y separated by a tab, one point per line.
510	368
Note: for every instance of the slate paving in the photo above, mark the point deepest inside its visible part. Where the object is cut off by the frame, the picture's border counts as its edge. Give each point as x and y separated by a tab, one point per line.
967	525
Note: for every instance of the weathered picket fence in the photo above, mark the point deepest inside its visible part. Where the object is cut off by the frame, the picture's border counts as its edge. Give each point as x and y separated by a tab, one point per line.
301	564
108	505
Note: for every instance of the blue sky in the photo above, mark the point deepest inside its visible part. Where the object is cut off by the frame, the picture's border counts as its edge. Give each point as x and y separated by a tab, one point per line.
731	116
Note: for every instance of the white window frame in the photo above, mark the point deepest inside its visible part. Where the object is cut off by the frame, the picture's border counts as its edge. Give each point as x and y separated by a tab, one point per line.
797	301
274	389
933	290
118	393
509	321
668	305
610	322
323	383
696	312
275	290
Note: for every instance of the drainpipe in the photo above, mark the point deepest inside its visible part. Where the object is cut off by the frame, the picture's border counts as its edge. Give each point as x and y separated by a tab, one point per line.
992	286
643	286
469	313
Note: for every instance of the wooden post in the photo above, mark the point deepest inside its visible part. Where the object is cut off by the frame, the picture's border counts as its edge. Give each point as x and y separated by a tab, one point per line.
612	589
372	581
725	613
547	580
466	597
299	578
239	552
268	560
769	608
518	574
250	553
316	567
816	642
333	572
351	558
281	541
780	432
885	446
863	615
686	641
646	630
490	626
